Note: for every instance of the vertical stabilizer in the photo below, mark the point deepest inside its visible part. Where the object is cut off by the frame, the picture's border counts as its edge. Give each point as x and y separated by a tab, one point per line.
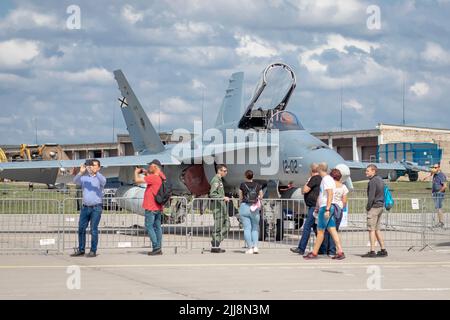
230	110
143	136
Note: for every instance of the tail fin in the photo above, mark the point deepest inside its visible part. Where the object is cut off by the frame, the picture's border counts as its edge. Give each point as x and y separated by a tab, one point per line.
231	105
142	133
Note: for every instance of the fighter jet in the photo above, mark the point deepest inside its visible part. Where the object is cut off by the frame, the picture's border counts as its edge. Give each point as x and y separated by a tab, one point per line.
265	138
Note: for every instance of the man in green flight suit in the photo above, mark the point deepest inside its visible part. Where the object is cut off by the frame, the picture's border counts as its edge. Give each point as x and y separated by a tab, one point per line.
219	206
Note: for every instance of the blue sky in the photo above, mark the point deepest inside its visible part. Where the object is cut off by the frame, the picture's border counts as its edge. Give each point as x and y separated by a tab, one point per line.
175	52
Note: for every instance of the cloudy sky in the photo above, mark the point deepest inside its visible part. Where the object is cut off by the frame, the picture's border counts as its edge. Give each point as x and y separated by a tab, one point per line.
176	52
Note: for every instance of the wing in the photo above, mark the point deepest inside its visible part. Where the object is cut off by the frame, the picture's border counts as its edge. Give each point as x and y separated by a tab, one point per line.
357	169
46	171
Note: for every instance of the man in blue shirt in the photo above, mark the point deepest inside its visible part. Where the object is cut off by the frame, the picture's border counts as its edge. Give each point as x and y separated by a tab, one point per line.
92	183
438	192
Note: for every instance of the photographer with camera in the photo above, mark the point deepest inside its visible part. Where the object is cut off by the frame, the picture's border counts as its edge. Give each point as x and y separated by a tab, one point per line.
92	183
153	178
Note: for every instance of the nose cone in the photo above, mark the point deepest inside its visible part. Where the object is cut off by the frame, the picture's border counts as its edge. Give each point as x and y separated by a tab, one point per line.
345	171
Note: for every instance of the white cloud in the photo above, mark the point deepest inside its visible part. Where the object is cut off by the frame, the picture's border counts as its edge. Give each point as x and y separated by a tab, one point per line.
436	54
335	12
16	52
177	105
23	18
353	104
337	42
193	29
197	84
97	75
131	15
420	89
254	47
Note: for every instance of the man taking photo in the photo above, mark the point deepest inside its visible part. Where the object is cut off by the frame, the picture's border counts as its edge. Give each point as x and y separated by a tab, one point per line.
92	183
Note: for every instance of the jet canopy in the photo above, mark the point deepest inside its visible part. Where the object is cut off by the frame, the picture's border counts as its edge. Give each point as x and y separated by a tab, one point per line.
271	96
283	121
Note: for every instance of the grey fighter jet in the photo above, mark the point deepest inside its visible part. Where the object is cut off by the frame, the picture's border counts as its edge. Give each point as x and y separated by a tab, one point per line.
265	138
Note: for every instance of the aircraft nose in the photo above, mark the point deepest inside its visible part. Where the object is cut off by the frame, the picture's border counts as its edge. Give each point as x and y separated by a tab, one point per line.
345	171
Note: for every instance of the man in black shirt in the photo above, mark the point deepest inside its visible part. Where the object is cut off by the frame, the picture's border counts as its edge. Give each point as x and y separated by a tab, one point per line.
310	193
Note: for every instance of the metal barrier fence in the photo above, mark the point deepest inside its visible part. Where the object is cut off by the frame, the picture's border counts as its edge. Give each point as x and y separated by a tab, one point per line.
28	224
121	227
279	223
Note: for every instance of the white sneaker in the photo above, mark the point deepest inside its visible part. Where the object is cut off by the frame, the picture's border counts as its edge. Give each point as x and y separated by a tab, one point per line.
249	251
255	250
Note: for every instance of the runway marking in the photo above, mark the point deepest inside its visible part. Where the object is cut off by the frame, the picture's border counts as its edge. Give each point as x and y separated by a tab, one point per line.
261	265
368	290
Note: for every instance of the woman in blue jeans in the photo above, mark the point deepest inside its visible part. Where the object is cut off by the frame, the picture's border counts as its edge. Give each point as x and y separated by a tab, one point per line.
250	194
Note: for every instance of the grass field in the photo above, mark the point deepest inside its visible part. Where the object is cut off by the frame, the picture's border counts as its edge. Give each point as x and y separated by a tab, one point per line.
17	198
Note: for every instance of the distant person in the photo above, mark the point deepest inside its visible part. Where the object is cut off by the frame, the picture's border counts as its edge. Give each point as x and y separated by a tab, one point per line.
374	207
92	183
310	193
153	178
250	194
219	209
339	202
438	192
326	215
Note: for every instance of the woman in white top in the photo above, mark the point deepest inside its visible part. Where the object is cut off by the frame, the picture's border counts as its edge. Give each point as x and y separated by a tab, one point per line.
339	202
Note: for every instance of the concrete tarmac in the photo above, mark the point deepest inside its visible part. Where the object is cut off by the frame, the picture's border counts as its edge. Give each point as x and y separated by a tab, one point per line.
272	274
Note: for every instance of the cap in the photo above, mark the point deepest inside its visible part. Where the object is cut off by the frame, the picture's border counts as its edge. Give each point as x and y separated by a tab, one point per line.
155	161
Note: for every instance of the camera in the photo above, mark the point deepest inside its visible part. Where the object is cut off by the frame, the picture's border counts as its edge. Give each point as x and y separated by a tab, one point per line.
89	162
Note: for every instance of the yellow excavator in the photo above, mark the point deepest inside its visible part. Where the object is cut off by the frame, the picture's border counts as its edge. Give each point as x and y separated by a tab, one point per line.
43	152
3	157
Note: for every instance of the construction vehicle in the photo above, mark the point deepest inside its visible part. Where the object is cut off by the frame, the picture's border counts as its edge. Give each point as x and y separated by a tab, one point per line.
48	151
3	157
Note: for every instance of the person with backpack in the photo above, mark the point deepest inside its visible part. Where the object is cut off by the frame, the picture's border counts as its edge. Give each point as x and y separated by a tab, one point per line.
153	202
374	207
438	192
250	195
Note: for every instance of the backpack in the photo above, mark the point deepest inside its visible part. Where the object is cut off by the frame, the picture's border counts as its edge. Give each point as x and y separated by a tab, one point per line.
164	193
252	194
388	200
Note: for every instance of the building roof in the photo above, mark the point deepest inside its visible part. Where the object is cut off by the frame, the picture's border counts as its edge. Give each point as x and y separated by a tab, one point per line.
409	127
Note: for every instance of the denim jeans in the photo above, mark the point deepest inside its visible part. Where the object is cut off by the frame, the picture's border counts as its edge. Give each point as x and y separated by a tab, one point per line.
310	223
92	215
153	226
250	221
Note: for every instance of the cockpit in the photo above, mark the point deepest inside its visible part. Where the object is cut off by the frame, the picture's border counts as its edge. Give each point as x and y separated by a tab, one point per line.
284	121
270	99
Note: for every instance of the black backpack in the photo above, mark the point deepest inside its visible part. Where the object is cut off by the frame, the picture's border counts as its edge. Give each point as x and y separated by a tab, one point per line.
164	193
252	194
